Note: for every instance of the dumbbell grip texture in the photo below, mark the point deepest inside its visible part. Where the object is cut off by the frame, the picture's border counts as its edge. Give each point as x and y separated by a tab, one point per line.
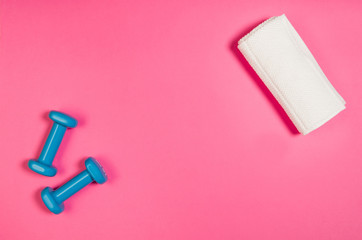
72	186
52	144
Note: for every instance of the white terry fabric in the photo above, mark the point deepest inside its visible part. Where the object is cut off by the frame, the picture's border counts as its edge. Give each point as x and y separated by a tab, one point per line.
284	63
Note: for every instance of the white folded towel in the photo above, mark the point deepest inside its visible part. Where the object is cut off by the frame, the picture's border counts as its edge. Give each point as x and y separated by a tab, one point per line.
284	63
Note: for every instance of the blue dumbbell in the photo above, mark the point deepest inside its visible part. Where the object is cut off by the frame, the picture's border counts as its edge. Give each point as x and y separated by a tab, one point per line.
53	199
44	163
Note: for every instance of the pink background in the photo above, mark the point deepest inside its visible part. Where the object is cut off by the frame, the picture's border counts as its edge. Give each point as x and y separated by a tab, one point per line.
194	145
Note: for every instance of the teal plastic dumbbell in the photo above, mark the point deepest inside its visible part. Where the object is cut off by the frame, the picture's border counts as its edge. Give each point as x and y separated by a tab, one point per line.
44	163
53	199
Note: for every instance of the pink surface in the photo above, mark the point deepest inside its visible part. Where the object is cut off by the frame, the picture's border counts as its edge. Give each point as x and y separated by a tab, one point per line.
194	145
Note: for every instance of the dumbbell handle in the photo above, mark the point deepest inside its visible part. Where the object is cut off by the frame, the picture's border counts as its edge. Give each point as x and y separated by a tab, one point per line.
72	186
52	144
